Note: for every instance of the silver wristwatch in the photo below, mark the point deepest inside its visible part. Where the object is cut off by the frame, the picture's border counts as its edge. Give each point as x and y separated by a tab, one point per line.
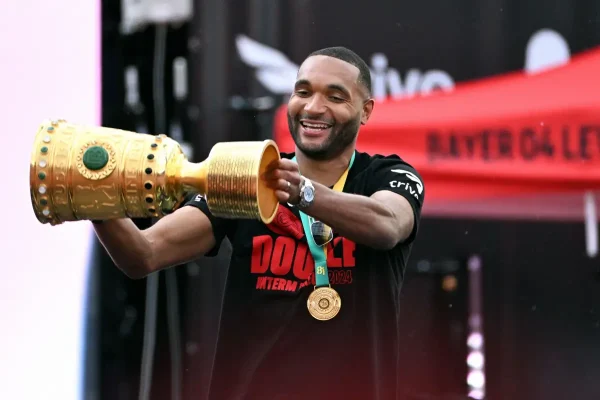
307	193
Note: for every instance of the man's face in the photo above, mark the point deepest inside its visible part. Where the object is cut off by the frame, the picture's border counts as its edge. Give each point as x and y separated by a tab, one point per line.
327	107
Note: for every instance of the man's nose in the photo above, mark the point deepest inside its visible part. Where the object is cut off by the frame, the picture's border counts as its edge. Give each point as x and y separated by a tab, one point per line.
315	105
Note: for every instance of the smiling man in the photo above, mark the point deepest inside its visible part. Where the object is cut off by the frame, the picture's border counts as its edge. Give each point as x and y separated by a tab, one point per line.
311	305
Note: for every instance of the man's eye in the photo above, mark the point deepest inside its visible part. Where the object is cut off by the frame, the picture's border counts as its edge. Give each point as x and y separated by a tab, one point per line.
302	92
336	98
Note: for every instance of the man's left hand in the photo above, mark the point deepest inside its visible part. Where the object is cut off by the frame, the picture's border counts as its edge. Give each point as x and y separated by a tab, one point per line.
284	176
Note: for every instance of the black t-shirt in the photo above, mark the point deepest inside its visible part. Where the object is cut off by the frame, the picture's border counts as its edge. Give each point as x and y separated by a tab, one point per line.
269	346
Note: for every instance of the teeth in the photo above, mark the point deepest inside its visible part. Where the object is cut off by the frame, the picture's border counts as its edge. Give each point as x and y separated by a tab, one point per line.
315	126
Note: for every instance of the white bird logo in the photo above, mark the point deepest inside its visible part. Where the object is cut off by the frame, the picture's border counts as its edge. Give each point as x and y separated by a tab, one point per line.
273	69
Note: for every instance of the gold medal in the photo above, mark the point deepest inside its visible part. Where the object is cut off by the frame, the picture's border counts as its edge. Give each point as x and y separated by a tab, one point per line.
324	303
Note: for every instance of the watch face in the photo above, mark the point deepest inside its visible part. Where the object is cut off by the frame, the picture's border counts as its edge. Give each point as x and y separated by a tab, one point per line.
309	194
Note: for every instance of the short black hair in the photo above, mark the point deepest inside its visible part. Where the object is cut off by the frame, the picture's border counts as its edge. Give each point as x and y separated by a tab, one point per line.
347	55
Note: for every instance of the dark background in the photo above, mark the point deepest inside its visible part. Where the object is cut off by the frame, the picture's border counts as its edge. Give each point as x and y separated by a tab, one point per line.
541	292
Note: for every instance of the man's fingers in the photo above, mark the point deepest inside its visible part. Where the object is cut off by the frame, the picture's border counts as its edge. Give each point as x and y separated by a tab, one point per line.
282	164
288	165
292	177
282	196
279	184
283	176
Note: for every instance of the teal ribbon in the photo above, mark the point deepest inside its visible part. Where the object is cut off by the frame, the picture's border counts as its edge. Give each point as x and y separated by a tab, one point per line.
318	253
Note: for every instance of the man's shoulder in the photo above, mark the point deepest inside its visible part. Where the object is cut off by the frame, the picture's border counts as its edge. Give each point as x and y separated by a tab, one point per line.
375	162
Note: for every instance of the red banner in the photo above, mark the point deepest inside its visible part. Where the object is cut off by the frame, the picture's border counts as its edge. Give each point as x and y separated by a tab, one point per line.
515	134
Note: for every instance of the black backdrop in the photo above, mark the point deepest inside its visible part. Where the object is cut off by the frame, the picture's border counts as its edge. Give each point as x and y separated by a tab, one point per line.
542	305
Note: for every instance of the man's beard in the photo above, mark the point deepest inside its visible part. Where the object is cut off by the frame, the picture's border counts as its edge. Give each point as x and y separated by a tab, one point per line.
340	137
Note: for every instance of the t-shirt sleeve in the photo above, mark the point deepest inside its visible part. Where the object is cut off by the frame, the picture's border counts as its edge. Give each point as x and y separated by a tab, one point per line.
397	176
222	227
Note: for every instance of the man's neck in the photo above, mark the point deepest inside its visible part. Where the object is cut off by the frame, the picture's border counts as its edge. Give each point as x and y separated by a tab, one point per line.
325	172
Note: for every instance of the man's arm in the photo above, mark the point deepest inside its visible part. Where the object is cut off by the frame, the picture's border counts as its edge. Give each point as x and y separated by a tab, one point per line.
381	220
175	239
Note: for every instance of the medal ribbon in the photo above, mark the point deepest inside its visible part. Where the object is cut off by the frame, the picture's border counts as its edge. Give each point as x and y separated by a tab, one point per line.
319	253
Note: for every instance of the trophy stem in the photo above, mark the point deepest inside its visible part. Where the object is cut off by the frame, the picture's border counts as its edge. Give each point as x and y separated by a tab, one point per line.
194	177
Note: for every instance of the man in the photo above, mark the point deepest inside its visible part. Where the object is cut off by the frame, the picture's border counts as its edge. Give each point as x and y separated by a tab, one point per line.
271	346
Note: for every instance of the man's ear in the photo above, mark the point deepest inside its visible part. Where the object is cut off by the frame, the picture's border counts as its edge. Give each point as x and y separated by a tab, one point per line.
367	110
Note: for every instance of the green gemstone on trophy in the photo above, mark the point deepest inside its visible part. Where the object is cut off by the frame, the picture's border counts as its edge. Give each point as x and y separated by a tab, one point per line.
95	158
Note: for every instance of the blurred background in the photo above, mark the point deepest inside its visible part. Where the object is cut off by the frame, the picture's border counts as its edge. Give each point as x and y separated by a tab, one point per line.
495	102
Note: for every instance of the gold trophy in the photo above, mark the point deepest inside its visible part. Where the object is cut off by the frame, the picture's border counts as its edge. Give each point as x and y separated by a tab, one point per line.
95	173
